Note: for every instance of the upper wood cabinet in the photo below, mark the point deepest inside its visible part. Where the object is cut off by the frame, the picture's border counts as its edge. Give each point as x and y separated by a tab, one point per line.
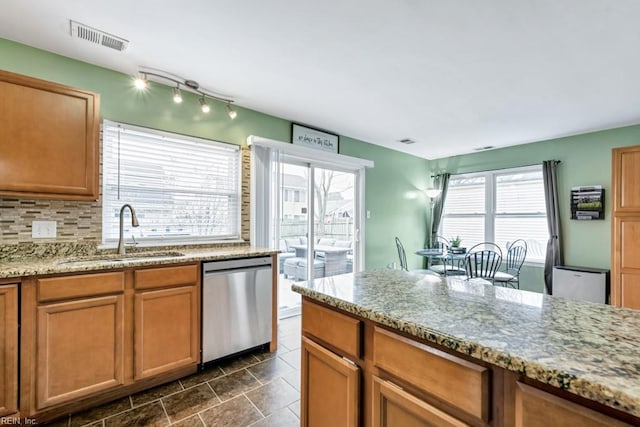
625	227
49	139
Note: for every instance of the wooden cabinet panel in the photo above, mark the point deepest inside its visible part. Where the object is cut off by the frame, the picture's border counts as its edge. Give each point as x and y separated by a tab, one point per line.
166	330
330	388
83	285
8	349
630	290
48	139
626	176
79	348
166	276
336	329
536	408
462	384
394	407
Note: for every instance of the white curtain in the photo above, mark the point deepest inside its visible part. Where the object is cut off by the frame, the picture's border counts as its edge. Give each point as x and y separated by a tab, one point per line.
265	195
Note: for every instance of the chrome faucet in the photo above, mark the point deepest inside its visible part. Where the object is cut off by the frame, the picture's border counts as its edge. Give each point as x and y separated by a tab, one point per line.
134	223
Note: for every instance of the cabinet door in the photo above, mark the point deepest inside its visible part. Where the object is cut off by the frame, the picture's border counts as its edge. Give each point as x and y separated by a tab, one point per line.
625	275
8	349
394	407
166	330
79	348
330	388
536	408
626	175
48	139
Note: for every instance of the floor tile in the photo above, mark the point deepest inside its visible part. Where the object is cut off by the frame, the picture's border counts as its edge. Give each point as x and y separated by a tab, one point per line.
295	408
290	324
152	415
292	358
238	363
234	384
233	413
292	342
293	378
185	403
155	393
273	396
192	421
202	377
280	418
270	369
103	411
61	422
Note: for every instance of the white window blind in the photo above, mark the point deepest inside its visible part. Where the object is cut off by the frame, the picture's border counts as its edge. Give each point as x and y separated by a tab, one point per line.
500	207
182	188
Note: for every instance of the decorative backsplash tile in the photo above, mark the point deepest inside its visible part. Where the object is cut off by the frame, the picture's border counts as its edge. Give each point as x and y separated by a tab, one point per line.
79	221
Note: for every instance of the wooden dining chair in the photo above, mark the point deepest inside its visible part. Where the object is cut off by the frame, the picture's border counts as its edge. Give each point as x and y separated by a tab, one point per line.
483	261
516	254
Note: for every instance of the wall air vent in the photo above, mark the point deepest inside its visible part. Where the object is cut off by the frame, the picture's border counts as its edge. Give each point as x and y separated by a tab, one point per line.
407	141
96	36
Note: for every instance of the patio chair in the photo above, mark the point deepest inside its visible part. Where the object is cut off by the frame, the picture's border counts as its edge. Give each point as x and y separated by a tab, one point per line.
516	254
403	261
483	261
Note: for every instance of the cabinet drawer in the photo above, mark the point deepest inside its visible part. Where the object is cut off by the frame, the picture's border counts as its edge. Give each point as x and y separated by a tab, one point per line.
166	276
536	408
342	332
56	288
453	380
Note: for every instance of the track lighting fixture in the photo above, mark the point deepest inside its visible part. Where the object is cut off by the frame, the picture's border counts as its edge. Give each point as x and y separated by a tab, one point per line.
231	112
142	82
204	106
177	96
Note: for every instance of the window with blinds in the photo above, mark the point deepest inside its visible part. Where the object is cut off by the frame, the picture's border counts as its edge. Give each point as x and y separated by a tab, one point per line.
500	207
182	188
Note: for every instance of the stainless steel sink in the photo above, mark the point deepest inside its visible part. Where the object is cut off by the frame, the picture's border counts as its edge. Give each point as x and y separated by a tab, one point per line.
121	258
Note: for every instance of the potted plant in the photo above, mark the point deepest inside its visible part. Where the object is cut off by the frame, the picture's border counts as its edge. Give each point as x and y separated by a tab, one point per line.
455	245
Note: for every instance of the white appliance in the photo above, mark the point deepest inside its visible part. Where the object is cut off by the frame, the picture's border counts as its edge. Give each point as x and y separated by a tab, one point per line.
581	283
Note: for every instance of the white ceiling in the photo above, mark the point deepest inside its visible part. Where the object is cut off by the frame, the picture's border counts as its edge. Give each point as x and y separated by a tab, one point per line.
452	75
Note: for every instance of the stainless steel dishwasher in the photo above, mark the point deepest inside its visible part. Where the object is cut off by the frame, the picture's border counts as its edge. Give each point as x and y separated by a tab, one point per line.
236	306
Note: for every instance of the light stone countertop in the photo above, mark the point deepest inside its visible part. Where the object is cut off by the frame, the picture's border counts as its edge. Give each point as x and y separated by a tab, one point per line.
591	350
37	263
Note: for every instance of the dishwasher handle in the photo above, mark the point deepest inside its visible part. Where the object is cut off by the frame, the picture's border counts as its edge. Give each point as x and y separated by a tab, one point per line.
236	264
214	272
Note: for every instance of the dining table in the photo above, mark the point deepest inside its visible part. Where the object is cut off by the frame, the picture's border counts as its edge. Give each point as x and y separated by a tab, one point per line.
334	257
447	257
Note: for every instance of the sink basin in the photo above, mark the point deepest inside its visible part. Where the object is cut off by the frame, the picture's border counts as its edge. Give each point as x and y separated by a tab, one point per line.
121	258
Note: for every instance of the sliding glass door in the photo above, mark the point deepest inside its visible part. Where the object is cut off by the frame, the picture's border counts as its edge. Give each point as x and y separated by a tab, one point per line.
317	226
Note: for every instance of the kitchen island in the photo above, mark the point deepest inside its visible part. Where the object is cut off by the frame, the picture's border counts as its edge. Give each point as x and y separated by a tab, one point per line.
523	355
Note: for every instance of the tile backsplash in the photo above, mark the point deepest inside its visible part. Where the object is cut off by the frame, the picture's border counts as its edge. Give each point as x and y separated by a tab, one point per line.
79	220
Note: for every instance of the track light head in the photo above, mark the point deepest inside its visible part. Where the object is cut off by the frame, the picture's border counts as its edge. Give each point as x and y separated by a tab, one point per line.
231	112
141	82
204	106
177	96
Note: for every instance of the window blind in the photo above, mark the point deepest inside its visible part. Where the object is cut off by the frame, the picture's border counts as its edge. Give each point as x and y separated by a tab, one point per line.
182	188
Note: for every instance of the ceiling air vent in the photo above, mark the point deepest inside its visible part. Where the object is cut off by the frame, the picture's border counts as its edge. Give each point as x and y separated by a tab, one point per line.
486	147
407	141
96	36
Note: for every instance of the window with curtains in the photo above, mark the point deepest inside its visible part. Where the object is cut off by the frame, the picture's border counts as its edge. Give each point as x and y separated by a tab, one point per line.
182	188
498	206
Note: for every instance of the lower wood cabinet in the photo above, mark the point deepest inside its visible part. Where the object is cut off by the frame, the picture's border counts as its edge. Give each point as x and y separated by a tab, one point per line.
536	408
394	407
166	330
80	348
330	393
8	349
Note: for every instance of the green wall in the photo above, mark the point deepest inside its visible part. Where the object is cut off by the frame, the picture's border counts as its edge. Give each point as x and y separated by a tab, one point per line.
586	160
391	186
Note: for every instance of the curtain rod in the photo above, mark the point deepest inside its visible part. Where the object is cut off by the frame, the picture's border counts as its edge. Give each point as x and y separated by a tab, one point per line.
499	169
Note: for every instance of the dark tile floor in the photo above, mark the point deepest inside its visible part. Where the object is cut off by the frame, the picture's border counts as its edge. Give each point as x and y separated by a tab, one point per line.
259	389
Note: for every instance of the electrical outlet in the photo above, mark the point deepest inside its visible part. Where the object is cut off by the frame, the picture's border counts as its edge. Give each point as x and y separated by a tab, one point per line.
43	229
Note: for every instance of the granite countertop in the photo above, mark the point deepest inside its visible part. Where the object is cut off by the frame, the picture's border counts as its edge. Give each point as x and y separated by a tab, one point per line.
73	258
591	350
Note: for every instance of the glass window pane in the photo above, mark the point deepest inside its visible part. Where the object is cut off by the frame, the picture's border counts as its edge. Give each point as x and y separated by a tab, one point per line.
520	193
470	229
533	230
465	196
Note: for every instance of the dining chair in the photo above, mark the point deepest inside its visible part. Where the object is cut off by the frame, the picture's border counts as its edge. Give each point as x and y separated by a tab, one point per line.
446	266
516	254
403	261
483	261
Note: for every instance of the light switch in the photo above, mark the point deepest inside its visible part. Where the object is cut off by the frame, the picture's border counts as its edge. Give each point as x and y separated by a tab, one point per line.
43	229
368	214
